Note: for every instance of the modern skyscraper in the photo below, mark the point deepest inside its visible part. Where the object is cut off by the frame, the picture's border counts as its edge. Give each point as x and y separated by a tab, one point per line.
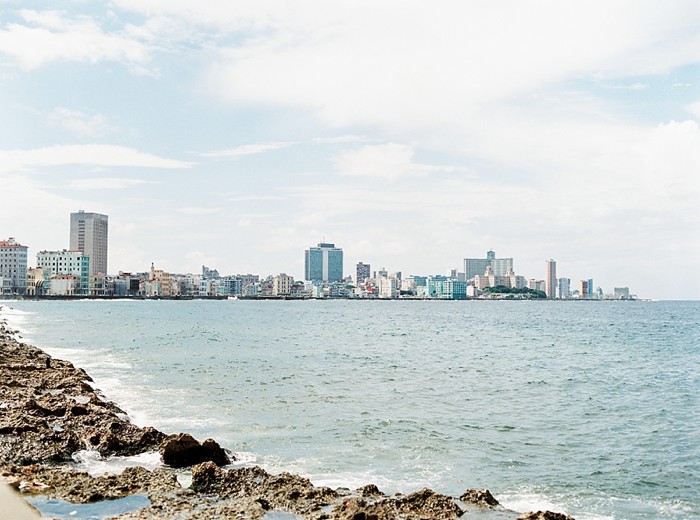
551	279
323	263
88	234
13	267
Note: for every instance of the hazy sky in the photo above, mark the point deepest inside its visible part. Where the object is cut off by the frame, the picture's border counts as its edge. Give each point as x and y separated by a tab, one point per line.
412	134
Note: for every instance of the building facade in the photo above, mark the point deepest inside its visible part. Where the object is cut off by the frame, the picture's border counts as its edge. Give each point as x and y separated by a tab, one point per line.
88	233
282	285
323	263
63	268
362	272
564	288
13	267
477	266
551	279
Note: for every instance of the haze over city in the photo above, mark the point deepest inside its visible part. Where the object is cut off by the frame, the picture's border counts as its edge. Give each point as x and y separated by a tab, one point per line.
412	135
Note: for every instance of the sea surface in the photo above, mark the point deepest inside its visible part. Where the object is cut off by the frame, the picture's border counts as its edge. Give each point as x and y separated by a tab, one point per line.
588	408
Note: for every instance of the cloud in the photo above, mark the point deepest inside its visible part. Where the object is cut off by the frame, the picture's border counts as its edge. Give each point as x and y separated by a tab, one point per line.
694	108
97	154
107	183
196	211
385	162
423	67
79	123
248	149
49	36
341	139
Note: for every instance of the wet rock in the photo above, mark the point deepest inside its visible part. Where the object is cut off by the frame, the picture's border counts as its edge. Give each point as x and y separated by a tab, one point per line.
544	515
183	450
369	491
206	477
479	497
361	509
426	503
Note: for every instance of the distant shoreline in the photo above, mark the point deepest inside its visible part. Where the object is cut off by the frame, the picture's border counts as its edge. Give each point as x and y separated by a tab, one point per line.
81	297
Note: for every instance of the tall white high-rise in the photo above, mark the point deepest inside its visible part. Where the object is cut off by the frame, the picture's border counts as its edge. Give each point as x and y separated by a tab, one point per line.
551	279
88	234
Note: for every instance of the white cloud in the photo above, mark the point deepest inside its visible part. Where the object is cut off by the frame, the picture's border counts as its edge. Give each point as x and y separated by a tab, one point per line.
248	149
694	108
196	211
107	183
79	123
421	66
386	162
341	139
49	36
97	154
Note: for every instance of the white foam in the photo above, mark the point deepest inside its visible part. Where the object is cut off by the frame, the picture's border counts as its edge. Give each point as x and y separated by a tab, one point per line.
94	464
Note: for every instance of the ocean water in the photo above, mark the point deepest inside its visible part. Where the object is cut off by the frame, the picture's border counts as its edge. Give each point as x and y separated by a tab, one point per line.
588	408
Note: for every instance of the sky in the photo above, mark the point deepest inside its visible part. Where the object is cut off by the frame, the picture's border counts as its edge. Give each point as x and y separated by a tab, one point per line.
412	134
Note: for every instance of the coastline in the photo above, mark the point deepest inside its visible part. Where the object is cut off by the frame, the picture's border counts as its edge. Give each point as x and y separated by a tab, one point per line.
49	411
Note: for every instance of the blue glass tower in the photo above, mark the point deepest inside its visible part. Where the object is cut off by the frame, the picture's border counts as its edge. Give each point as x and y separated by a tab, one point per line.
323	263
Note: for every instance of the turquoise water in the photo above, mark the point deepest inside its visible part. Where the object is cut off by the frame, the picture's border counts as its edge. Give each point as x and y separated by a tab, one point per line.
590	408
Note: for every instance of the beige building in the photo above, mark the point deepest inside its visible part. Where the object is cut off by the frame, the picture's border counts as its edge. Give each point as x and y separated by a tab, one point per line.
88	233
282	284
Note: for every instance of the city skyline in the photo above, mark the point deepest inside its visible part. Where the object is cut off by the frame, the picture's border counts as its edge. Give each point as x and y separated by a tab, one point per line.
414	138
323	266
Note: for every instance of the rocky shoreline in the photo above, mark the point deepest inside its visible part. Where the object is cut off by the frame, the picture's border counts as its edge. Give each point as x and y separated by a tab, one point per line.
49	411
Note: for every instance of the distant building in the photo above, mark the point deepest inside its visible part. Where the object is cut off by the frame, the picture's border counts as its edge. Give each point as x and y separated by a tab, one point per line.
477	266
621	293
551	279
362	272
35	281
13	267
583	290
282	285
68	272
323	263
88	234
536	285
564	288
389	287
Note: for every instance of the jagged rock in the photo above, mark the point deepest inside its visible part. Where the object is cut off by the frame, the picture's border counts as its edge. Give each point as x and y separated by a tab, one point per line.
206	477
479	497
360	509
426	503
369	491
183	450
544	515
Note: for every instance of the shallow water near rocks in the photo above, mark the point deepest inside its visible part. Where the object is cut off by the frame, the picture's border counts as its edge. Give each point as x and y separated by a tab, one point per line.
53	508
588	408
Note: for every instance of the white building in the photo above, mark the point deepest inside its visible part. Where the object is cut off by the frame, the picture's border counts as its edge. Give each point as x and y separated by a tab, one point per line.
564	289
389	287
536	285
66	263
13	267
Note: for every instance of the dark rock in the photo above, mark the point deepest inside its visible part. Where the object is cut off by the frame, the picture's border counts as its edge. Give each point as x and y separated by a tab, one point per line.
479	497
426	503
544	515
206	477
183	450
369	491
